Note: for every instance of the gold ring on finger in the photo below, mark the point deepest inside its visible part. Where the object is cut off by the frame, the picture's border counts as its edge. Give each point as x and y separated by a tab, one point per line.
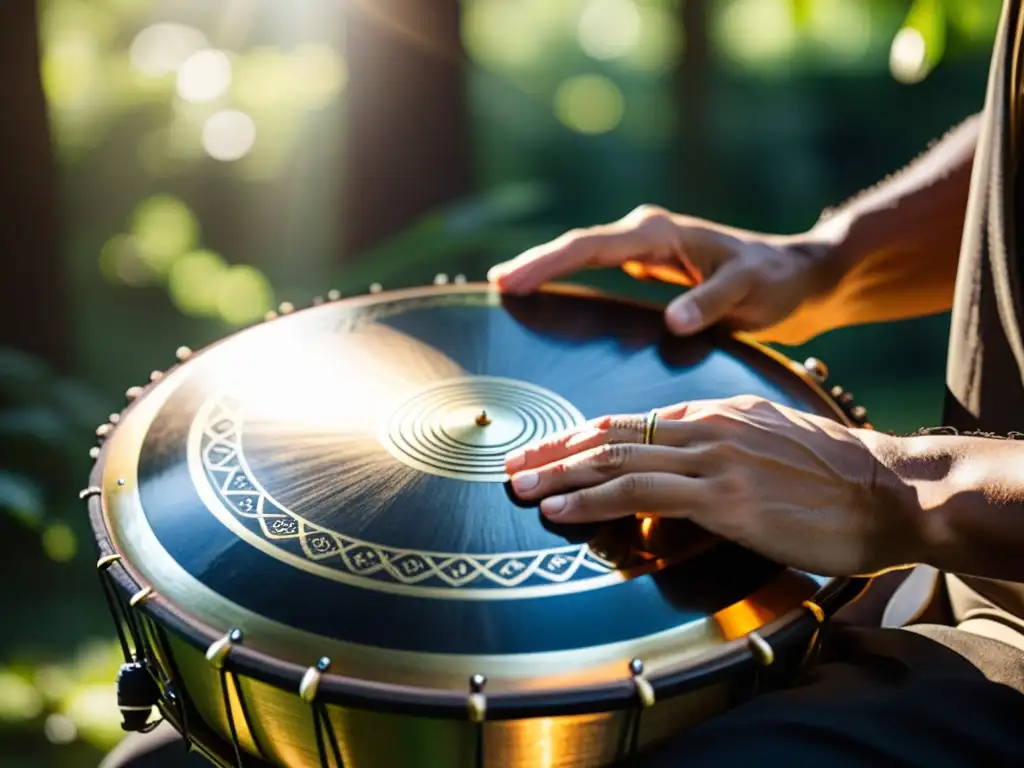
650	425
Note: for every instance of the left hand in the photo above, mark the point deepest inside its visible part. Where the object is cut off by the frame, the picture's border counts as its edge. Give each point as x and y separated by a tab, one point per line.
800	489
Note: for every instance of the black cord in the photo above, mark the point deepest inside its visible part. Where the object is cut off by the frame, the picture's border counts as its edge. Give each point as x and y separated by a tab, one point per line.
231	717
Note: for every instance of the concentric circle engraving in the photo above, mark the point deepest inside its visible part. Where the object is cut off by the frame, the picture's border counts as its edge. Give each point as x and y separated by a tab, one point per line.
463	428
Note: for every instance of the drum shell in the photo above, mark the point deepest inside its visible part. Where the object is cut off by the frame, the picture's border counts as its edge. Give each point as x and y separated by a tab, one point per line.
268	717
283	727
275	726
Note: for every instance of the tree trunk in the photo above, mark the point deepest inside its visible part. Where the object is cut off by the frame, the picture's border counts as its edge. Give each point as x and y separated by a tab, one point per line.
406	134
698	190
33	307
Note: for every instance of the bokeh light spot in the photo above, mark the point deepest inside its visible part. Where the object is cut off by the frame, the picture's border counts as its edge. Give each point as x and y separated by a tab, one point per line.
93	710
609	29
244	295
589	104
59	729
757	31
161	49
262	79
70	70
53	682
121	262
318	74
204	76
842	26
660	45
907	60
228	135
163	227
975	20
19	700
59	542
502	35
194	282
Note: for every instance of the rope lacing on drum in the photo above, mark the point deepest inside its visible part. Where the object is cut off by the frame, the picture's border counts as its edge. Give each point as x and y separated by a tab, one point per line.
102	565
217	654
645	697
135	685
476	706
308	687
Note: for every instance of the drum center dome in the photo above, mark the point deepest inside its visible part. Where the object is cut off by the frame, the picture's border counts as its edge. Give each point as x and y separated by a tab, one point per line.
463	427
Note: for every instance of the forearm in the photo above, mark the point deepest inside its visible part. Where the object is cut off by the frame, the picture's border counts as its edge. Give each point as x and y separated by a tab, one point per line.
965	496
892	252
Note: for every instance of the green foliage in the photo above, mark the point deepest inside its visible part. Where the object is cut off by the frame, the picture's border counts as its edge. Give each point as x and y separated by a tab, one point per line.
46	423
928	18
21	498
495	221
41	411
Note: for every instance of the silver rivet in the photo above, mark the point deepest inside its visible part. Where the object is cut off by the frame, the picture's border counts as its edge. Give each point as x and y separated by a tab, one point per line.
441	279
644	689
132	392
817	369
376	288
156	375
309	684
103	430
120	481
333	295
476	703
318	300
286	308
94	452
218	651
183	354
270	315
460	279
114	418
762	651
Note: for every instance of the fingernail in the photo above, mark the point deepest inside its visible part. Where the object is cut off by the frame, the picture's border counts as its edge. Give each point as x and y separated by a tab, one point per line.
525	481
553	505
515	460
684	317
496	272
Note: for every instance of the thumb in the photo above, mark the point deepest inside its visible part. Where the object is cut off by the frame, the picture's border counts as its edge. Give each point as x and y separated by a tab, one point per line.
705	304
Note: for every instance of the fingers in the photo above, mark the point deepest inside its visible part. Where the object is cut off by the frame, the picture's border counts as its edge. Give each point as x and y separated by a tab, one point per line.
609	429
661	492
606	462
709	302
645	232
670	430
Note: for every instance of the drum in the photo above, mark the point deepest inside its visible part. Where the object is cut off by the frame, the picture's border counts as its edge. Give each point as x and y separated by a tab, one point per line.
313	557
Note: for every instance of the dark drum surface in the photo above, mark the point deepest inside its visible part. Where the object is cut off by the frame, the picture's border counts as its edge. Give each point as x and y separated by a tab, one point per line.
339	470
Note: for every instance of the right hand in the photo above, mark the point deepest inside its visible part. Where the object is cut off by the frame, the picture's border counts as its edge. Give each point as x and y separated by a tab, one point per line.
769	285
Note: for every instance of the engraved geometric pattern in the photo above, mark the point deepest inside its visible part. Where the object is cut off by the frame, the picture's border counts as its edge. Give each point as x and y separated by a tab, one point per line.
241	493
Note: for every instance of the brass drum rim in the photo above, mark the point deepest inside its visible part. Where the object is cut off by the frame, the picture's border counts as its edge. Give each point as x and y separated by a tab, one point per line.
390	697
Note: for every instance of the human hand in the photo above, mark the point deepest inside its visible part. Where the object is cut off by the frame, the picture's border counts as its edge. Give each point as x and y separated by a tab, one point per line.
800	489
769	285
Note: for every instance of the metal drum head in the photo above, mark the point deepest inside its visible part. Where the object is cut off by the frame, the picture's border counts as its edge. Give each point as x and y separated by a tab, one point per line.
331	483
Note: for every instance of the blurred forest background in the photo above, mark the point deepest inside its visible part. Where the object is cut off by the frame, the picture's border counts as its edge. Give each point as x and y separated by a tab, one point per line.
175	170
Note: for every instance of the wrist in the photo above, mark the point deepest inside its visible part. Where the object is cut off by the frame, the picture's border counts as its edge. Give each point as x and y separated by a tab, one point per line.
829	240
909	492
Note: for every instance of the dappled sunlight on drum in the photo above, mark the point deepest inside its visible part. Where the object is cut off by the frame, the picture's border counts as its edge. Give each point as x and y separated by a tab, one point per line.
331	485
